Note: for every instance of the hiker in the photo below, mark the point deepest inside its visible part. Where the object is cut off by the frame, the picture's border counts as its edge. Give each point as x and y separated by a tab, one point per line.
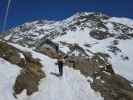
60	62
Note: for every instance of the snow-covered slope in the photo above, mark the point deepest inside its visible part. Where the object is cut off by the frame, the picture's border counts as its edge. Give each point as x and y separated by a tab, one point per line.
8	74
72	86
121	59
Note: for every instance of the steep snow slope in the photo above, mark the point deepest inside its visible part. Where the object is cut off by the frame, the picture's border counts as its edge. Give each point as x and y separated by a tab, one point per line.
124	21
72	86
121	66
8	74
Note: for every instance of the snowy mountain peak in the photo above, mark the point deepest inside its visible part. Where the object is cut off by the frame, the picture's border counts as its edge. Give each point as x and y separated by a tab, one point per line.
88	14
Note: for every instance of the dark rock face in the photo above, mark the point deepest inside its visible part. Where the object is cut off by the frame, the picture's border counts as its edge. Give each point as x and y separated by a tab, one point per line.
100	35
115	42
112	87
131	35
122	28
123	37
114	49
29	80
48	47
29	77
9	53
26	80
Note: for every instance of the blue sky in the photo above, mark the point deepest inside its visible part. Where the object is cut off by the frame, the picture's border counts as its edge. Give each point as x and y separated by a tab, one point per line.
22	11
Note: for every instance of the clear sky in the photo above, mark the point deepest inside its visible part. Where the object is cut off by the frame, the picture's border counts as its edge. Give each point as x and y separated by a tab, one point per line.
22	11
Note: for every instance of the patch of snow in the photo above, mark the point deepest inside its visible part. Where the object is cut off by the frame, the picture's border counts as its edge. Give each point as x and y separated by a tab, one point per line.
107	73
102	81
132	85
8	37
21	55
23	96
78	36
125	21
89	79
99	77
110	27
124	68
101	66
64	49
8	74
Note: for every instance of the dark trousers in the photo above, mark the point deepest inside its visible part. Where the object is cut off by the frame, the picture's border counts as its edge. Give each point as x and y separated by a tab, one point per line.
60	66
